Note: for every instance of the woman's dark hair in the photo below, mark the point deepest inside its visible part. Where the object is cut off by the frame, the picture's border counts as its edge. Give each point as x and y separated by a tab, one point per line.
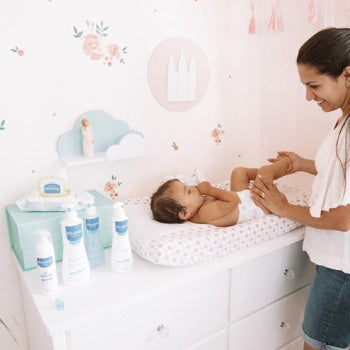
328	51
164	208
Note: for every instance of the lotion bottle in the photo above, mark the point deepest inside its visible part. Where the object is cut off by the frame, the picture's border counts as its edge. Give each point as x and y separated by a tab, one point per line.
92	239
46	262
121	255
75	264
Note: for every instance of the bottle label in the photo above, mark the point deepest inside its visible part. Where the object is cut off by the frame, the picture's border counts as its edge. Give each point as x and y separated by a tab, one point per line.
121	227
92	224
44	262
74	233
52	188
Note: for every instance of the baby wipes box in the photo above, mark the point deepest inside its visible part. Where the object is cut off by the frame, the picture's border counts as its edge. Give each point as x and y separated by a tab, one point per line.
23	224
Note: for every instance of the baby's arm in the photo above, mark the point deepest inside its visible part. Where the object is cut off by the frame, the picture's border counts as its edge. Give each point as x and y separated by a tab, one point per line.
206	189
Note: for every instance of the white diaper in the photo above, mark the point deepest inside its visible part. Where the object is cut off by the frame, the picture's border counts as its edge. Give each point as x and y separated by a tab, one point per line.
247	208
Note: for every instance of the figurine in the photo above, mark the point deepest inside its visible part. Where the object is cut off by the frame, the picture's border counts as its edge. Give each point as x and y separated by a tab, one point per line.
88	139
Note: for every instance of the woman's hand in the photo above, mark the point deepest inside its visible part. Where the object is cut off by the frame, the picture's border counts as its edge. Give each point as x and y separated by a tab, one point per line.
268	196
295	160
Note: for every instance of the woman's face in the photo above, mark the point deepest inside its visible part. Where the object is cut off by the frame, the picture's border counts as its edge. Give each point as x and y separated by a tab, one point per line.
328	92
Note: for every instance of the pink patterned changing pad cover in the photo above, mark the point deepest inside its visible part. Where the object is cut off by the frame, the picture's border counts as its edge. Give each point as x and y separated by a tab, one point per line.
189	243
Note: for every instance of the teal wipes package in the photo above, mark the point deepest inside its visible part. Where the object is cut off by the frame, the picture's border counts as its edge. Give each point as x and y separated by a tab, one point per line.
35	202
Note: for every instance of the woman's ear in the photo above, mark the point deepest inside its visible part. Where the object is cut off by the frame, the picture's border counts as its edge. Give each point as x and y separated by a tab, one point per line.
346	72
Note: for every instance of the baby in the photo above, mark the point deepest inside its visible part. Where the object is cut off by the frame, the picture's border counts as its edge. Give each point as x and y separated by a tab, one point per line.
176	202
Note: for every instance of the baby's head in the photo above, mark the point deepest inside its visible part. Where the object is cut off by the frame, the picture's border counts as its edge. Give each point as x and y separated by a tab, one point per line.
175	202
164	207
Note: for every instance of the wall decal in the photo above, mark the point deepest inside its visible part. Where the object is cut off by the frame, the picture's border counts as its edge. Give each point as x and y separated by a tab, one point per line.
18	51
175	146
217	133
2	125
94	46
111	188
178	74
113	139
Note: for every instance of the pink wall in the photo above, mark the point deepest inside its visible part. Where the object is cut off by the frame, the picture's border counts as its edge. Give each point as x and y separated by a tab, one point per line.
252	106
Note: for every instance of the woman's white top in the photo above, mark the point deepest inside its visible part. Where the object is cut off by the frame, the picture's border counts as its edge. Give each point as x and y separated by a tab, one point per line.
329	248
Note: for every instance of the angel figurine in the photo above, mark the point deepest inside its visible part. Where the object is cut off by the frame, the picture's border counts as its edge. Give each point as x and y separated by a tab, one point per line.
88	139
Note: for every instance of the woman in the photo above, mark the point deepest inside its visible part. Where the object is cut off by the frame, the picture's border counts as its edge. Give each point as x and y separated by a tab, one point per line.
324	68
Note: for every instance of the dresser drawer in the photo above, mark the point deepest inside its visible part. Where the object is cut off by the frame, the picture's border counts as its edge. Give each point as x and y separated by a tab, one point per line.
174	320
271	327
218	341
296	344
263	280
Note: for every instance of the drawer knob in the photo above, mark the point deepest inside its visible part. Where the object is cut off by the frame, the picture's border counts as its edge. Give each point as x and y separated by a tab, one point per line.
284	325
163	331
290	274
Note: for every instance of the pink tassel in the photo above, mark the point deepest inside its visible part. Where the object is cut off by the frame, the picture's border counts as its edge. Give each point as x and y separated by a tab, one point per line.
276	21
273	22
251	28
312	11
252	25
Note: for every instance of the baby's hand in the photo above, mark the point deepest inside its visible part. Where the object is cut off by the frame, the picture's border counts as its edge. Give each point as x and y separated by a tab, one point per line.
204	187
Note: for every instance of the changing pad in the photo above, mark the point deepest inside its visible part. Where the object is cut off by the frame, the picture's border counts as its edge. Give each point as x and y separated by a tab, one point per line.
189	243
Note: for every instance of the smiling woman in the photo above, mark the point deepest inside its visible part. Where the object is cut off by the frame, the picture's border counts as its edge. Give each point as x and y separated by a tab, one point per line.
328	92
324	68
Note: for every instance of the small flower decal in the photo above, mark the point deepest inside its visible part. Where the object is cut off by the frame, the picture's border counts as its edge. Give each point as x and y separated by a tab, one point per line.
18	51
216	134
94	46
2	125
175	146
111	188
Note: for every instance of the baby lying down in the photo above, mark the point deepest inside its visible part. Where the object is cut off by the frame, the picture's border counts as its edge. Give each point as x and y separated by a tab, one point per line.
176	202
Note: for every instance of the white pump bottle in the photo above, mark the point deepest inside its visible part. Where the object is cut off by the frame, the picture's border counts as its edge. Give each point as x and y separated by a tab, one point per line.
46	262
75	264
121	255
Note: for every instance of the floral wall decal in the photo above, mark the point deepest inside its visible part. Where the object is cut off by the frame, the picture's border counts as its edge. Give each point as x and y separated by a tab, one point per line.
111	188
94	46
217	133
18	51
2	125
175	146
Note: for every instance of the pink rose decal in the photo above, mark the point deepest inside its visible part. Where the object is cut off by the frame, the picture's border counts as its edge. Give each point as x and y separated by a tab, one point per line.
94	46
216	134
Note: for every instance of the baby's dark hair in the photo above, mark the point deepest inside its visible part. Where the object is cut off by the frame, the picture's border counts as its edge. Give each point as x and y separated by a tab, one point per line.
164	208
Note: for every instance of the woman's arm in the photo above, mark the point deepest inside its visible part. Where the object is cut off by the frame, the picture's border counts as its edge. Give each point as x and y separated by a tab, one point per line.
280	167
297	163
276	202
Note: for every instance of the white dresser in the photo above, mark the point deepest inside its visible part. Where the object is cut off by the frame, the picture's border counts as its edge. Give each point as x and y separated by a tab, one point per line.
253	299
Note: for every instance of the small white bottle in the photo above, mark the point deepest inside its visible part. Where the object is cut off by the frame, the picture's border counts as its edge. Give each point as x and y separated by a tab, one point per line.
46	262
75	264
121	254
92	239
